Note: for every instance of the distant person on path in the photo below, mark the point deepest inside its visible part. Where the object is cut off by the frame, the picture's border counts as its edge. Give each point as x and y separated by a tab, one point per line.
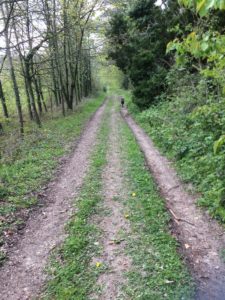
122	101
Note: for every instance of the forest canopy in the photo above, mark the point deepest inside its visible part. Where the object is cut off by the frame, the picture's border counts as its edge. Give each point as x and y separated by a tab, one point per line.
152	42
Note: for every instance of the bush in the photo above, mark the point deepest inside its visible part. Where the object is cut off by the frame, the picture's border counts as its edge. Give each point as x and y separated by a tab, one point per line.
185	127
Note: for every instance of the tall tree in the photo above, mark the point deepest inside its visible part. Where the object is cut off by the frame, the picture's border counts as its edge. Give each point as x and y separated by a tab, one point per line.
6	11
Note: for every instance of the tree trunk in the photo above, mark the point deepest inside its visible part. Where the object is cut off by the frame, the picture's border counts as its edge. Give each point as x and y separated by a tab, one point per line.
4	106
38	95
28	99
41	93
1	129
31	92
13	75
24	75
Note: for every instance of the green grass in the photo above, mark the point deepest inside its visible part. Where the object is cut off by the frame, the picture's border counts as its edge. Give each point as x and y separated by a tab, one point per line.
158	271
185	128
33	161
73	277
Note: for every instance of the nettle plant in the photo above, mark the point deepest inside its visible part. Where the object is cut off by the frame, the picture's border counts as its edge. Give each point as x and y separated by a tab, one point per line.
207	48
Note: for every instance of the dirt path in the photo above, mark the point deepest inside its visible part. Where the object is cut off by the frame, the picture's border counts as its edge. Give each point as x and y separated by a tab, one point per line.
23	275
201	237
114	224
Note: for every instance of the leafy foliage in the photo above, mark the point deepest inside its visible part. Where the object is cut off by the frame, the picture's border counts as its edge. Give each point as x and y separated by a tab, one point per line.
203	6
219	144
186	117
187	125
137	50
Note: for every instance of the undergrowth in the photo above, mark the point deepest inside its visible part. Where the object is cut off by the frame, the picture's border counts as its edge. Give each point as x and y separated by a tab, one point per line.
157	271
73	276
34	160
185	128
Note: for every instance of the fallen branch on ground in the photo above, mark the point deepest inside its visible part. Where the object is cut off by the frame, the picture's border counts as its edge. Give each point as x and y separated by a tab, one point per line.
177	220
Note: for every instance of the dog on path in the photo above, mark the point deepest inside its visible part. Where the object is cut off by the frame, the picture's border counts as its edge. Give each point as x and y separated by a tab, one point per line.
122	101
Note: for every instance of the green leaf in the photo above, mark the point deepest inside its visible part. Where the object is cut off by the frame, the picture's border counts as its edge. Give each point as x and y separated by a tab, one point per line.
171	46
204	46
218	144
201	5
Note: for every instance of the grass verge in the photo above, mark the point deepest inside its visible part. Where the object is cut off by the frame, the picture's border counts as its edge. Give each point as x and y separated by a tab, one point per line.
34	162
73	277
158	271
185	130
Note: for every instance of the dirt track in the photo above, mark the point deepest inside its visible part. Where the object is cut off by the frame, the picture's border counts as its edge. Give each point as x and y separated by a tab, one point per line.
113	223
23	275
202	239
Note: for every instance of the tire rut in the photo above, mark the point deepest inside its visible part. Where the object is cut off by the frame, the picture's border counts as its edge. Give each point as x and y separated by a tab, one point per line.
202	238
23	276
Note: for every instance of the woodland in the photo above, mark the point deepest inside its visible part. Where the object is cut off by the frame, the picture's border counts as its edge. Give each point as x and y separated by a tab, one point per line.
112	202
45	53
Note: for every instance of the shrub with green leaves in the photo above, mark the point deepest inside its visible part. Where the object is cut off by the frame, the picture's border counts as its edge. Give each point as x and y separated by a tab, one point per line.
188	126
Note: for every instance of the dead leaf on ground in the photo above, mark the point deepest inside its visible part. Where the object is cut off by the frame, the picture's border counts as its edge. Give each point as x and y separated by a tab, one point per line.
187	246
